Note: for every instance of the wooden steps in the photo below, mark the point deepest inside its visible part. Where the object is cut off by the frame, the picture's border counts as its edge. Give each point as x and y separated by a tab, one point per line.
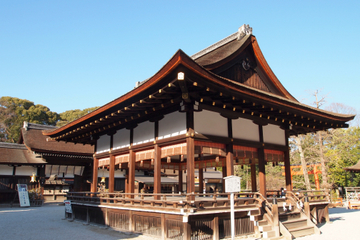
296	222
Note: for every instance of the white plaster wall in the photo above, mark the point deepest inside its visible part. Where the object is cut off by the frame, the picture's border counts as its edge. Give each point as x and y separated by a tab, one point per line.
6	170
25	171
211	123
173	124
245	129
274	134
103	144
69	172
121	138
144	132
117	174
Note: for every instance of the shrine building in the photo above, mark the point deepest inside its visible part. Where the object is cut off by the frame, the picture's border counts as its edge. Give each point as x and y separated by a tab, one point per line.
221	107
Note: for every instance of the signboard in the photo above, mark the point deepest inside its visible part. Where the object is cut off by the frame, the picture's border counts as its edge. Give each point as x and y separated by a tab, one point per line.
232	184
68	208
23	195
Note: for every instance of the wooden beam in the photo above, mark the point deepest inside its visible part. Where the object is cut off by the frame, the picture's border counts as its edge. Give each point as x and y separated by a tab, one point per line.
287	163
253	177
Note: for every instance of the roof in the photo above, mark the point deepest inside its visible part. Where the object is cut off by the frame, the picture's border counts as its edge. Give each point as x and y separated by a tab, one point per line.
211	79
354	168
13	153
32	137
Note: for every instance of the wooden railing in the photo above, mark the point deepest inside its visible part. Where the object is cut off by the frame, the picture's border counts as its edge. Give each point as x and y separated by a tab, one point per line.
171	202
314	196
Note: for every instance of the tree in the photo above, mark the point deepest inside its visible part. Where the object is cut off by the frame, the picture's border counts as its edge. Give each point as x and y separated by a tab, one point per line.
343	150
14	111
71	115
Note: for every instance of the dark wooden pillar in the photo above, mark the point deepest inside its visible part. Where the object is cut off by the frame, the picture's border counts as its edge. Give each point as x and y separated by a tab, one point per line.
95	175
180	180
288	181
190	155
201	180
224	174
112	173
190	166
261	157
131	179
229	152
157	172
253	177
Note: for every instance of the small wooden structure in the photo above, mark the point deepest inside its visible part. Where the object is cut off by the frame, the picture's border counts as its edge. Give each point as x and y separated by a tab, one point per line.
218	108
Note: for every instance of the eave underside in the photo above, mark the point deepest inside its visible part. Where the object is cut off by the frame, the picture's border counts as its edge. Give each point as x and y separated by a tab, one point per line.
230	99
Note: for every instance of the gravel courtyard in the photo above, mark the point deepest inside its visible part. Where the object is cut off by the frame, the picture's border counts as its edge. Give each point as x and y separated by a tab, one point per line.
46	222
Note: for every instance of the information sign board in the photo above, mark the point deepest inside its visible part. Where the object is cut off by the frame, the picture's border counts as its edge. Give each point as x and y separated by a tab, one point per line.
23	195
232	184
68	208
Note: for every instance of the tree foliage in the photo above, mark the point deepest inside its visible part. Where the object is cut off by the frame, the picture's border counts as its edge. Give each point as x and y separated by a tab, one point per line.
71	115
14	111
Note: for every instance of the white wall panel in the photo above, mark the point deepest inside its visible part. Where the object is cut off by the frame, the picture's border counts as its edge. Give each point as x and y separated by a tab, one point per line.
172	124
6	170
144	132
274	134
121	138
25	171
211	123
103	144
245	129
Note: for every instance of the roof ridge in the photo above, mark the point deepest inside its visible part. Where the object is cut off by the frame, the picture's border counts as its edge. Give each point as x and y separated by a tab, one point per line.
12	145
28	125
244	30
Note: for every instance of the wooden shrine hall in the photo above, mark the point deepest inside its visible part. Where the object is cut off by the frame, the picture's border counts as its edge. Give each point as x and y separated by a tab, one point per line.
221	107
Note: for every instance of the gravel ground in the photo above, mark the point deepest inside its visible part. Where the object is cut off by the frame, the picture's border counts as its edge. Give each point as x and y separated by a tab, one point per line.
46	222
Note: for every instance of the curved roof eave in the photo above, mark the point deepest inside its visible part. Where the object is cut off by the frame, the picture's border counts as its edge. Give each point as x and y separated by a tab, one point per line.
181	58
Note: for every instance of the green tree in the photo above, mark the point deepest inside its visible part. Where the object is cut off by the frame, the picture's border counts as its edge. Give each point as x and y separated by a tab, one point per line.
71	115
343	150
14	111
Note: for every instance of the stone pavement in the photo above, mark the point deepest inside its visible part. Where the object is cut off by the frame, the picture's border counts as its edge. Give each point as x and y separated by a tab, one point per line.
46	222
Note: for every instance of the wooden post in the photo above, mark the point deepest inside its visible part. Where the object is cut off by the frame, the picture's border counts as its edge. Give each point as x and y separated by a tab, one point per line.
157	172
112	174
216	228
163	226
288	177
275	213
253	177
224	174
187	230
190	155
307	207
201	180
261	157
180	179
190	167
95	175
131	165
229	152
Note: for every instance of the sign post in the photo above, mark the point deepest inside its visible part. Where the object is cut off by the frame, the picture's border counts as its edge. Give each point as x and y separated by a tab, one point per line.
232	184
23	195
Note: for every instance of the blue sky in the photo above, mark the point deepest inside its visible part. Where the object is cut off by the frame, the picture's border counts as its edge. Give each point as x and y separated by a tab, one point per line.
79	54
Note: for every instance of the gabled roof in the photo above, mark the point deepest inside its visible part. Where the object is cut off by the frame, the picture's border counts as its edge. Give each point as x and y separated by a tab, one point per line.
34	140
205	83
13	153
354	168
